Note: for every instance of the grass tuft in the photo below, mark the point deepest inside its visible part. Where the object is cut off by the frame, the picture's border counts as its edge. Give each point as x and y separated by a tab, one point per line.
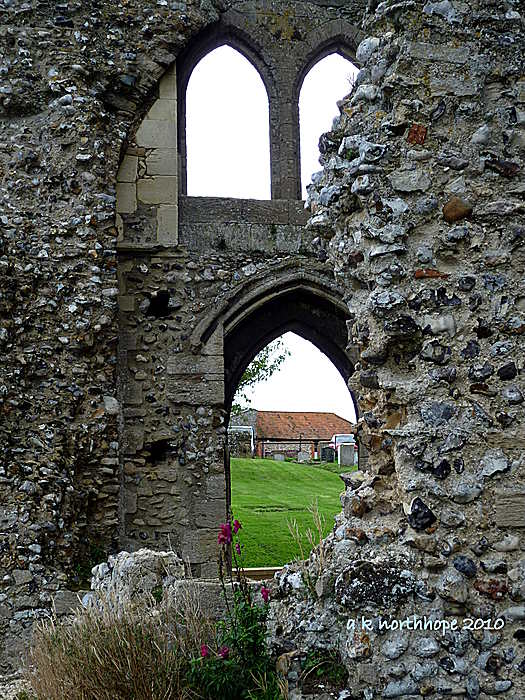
111	651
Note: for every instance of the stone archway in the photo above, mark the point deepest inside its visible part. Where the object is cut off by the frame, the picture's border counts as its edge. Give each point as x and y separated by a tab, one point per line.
300	307
183	258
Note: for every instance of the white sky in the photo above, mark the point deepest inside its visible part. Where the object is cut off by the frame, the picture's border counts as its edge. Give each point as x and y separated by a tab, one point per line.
227	134
227	128
306	381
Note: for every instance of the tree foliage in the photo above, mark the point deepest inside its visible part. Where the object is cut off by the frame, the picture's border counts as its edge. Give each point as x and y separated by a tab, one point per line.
261	368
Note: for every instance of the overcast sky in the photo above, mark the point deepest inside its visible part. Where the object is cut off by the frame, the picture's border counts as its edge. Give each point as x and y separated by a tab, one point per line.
229	156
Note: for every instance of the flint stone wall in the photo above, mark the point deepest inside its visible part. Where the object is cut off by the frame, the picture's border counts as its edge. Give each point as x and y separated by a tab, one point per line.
420	210
118	367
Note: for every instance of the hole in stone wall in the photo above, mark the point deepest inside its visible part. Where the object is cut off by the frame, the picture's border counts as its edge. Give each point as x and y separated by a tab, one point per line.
281	450
227	128
328	81
158	451
159	304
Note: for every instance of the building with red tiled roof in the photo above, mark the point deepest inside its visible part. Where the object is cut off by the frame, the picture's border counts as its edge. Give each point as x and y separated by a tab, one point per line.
290	432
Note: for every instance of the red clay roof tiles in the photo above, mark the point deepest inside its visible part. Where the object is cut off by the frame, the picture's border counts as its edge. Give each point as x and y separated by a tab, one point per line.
306	425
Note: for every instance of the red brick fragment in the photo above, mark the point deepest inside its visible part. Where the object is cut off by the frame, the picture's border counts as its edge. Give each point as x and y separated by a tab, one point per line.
429	273
417	134
492	589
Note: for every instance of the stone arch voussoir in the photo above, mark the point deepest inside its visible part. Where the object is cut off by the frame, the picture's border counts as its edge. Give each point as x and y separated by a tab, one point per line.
335	36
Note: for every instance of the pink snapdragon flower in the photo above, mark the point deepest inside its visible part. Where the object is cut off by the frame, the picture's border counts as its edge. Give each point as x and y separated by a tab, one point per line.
265	592
238	548
224	652
205	651
225	535
236	526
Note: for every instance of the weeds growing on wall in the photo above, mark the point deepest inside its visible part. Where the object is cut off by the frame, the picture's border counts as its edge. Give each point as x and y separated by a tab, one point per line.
322	671
310	574
162	647
239	666
81	574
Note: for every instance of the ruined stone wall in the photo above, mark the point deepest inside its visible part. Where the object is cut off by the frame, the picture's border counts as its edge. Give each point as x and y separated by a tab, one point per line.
74	79
420	209
88	427
193	269
116	366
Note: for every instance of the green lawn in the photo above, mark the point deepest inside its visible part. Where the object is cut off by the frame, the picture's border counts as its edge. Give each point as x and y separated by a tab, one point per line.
266	494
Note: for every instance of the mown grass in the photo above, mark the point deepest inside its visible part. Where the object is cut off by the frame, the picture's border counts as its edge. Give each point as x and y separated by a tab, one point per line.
267	494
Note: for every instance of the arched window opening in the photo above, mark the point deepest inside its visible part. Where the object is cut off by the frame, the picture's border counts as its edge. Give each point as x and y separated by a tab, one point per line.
227	128
328	81
290	436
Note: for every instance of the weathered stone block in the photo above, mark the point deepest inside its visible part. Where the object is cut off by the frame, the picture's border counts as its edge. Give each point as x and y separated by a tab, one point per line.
157	190
128	339
209	593
162	161
126	302
447	54
154	133
200	546
163	110
215	344
168	224
216	487
130	500
195	364
211	512
128	576
66	601
196	390
133	439
126	197
510	508
128	169
168	85
451	86
21	576
133	393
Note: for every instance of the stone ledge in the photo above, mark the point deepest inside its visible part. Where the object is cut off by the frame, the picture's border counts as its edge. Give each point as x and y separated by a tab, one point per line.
227	210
